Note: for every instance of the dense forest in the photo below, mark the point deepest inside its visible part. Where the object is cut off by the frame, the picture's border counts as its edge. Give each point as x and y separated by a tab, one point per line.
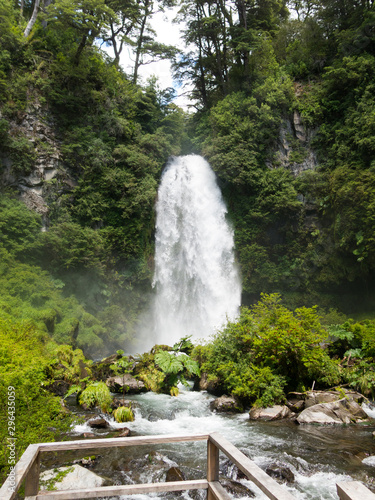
283	108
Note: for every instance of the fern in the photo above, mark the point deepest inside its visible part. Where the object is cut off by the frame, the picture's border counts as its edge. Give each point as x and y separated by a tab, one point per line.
72	390
96	393
168	362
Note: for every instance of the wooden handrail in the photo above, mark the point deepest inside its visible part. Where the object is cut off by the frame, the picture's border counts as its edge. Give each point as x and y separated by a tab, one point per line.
27	469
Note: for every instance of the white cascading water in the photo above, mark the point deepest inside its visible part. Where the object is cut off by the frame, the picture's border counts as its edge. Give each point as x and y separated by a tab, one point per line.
196	279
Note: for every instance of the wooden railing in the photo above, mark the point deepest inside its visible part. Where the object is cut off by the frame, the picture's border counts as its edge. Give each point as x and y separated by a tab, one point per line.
27	469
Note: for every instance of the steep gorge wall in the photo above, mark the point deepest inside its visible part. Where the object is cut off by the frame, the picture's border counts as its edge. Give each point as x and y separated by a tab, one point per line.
46	175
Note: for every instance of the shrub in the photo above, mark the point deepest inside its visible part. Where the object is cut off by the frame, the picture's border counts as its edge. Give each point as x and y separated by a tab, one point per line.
123	414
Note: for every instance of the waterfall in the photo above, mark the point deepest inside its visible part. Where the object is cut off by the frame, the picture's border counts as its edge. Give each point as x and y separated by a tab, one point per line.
196	279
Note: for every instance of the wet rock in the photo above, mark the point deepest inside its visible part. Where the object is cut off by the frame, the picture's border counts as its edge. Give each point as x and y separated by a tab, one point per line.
124	432
116	403
125	383
211	386
174	474
86	461
98	423
230	470
236	489
58	387
88	435
342	411
276	412
281	473
70	478
226	404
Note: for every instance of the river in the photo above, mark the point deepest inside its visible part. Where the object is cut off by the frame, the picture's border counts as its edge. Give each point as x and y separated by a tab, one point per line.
318	456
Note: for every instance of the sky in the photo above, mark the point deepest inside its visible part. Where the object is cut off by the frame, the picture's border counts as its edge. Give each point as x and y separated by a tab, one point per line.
167	33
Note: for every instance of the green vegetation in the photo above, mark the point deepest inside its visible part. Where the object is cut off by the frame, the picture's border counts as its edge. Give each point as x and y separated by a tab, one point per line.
37	415
92	394
268	352
123	414
272	350
162	369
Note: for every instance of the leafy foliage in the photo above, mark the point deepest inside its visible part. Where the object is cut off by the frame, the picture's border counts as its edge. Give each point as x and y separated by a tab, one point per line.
123	414
269	350
24	361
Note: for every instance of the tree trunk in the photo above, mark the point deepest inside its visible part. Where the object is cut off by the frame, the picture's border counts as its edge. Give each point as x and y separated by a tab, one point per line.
139	45
31	23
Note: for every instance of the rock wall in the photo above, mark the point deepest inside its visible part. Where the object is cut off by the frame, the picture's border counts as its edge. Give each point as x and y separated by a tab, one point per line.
294	151
47	174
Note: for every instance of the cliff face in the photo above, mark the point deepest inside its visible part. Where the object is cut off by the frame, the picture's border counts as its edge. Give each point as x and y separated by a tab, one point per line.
294	151
35	127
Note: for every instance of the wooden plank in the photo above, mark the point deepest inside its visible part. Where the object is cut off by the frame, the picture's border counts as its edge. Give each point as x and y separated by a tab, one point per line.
354	490
21	469
118	442
131	489
212	462
217	491
32	478
212	466
270	487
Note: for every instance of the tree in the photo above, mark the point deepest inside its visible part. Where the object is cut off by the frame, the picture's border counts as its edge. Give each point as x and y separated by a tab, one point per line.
88	19
146	49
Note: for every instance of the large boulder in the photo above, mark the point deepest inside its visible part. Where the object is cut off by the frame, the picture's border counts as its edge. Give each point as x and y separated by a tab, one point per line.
342	411
313	398
276	412
125	383
69	478
281	473
211	386
98	423
226	404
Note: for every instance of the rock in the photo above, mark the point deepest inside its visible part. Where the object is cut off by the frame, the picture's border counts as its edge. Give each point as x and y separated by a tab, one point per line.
316	397
88	435
58	387
125	383
236	489
98	423
342	411
116	403
86	461
276	412
226	404
124	432
160	347
70	478
210	386
174	474
295	405
280	473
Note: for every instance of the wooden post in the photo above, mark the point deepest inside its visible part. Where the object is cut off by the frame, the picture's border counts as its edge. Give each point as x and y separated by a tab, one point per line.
212	466
32	478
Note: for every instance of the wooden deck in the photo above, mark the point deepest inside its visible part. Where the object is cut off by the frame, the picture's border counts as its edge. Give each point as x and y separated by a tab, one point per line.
27	472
